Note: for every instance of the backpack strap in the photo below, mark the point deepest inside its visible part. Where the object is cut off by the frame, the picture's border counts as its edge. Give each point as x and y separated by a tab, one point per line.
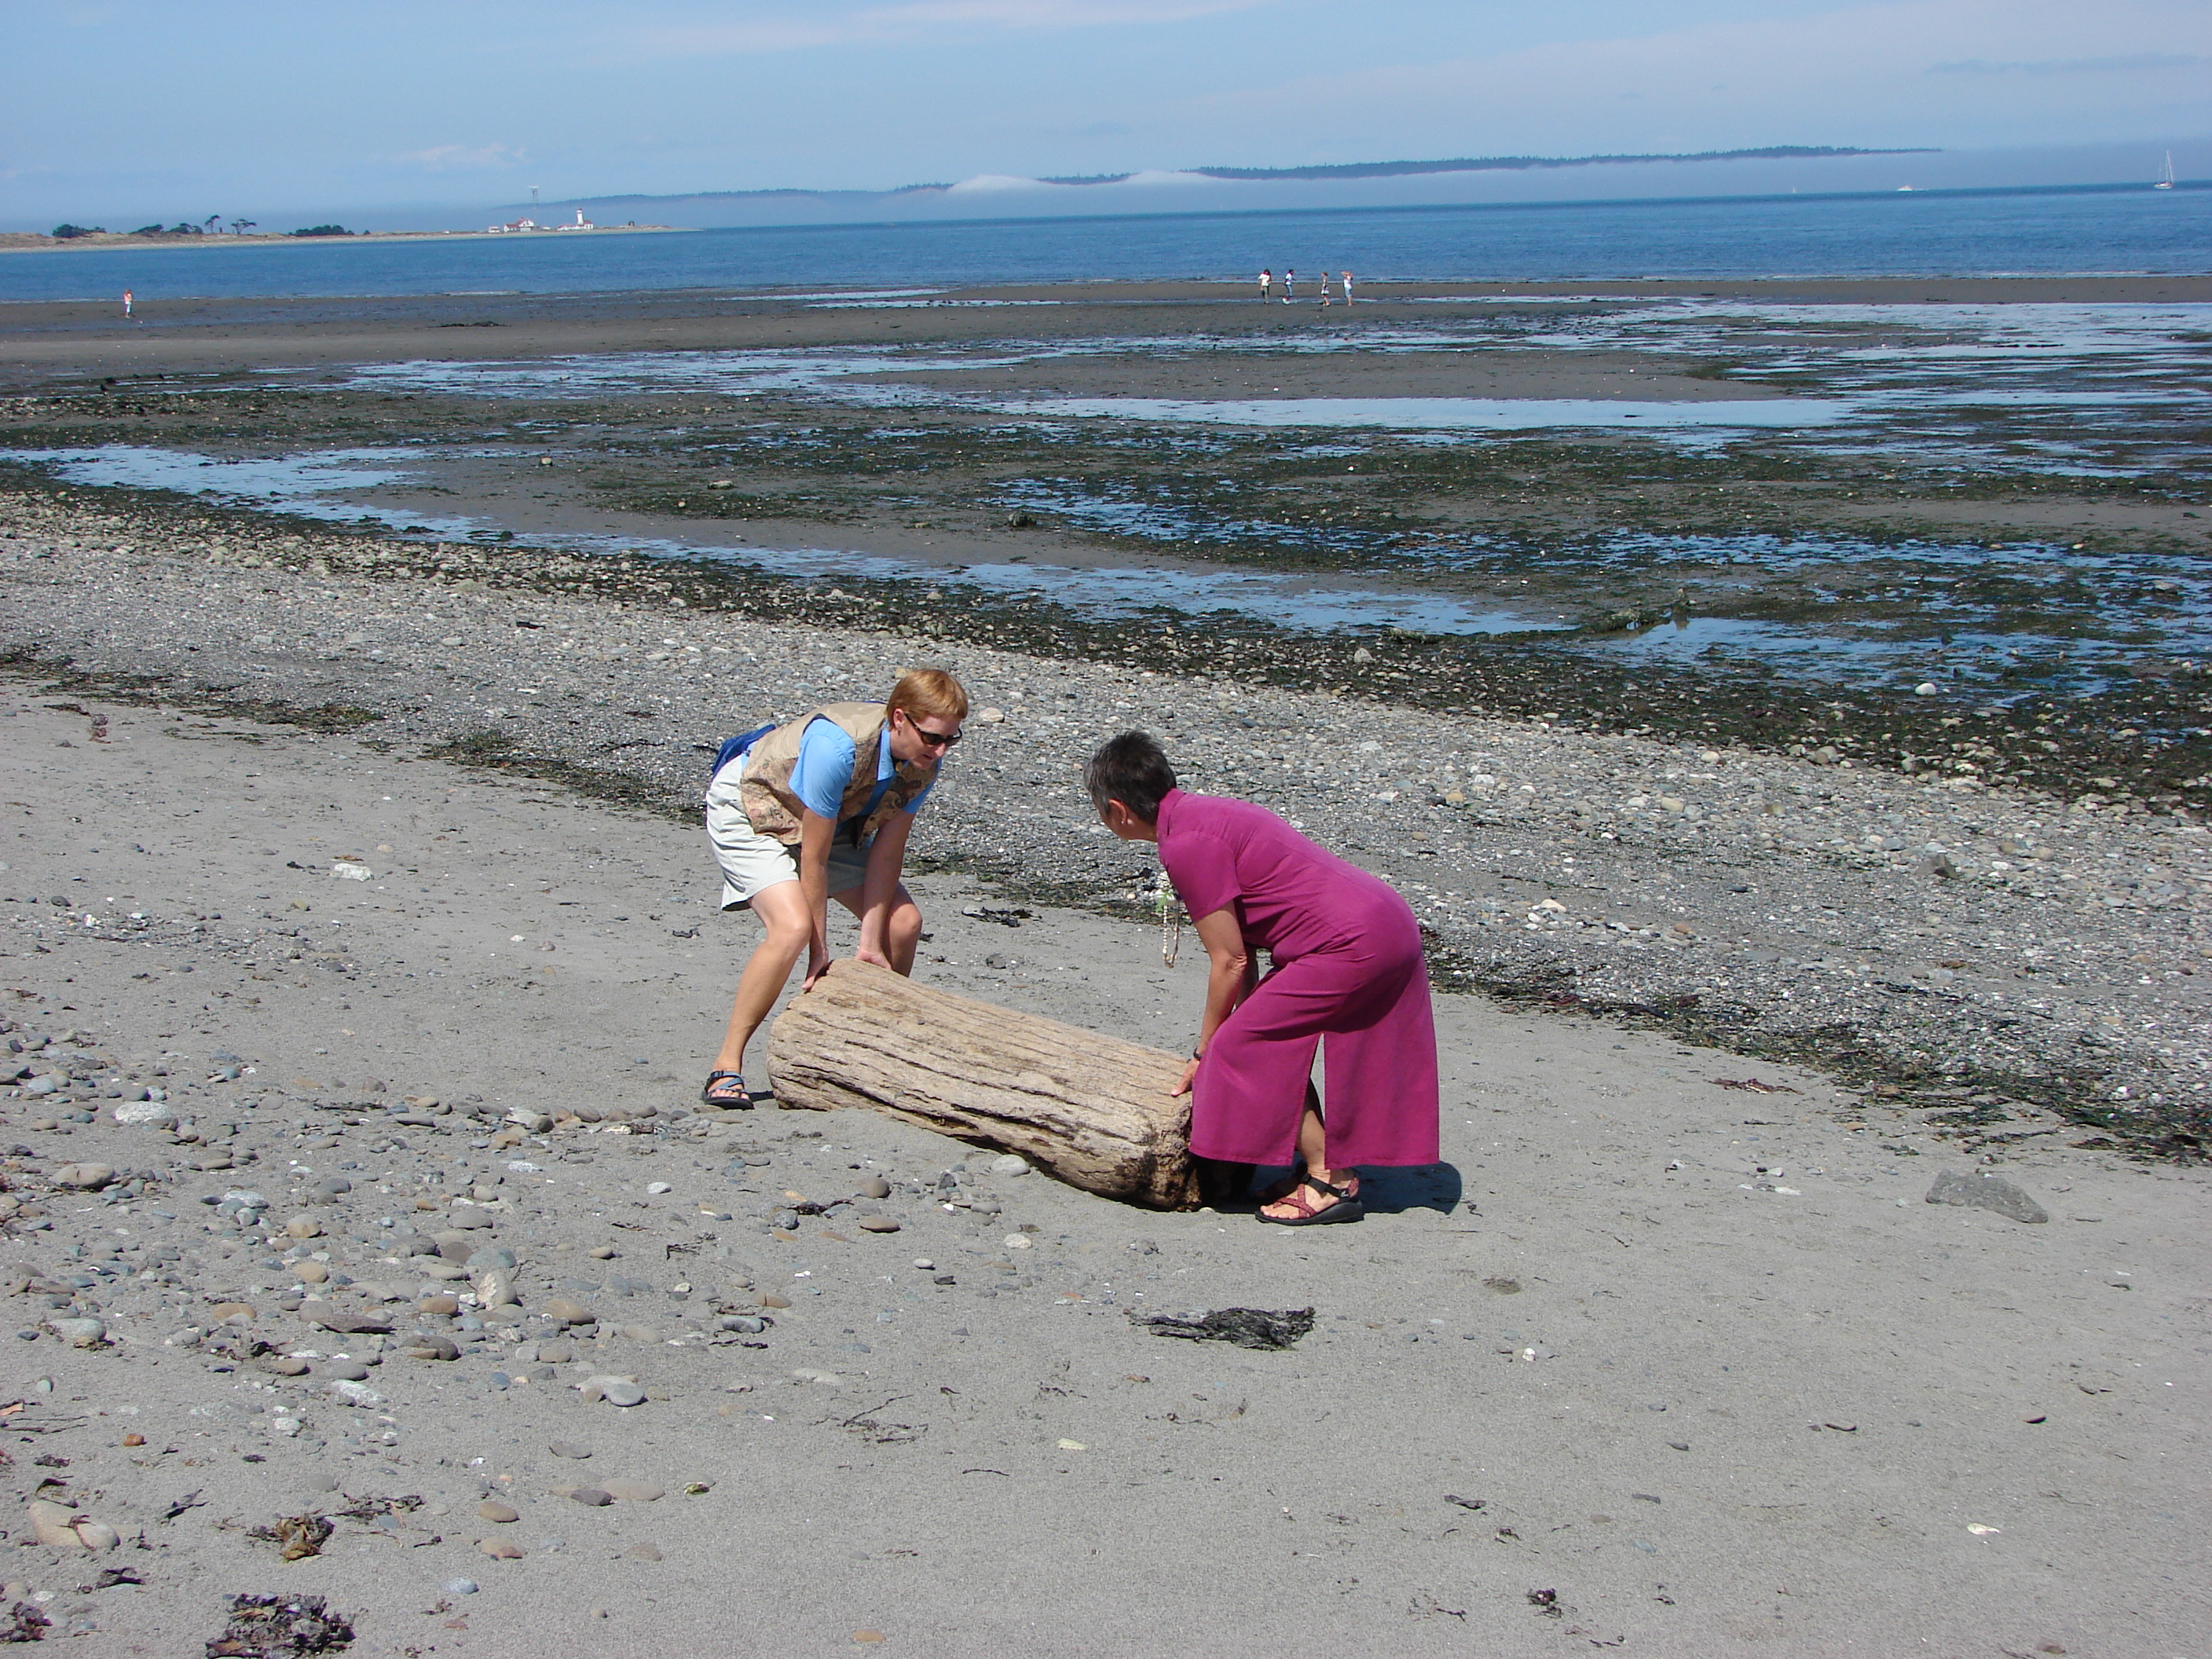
737	745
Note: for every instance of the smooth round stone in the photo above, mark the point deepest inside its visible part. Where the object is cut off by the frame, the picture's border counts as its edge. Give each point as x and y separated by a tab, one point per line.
746	1324
499	1549
770	1299
634	1491
1017	1241
925	1264
304	1226
568	1449
1009	1165
621	1394
657	1188
79	1333
439	1306
84	1176
460	1587
875	1186
310	1273
593	1497
435	1347
284	1364
878	1223
468	1215
567	1311
485	1257
643	1552
492	1509
346	1370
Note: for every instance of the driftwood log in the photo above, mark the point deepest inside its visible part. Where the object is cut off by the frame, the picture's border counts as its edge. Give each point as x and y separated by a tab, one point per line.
1091	1110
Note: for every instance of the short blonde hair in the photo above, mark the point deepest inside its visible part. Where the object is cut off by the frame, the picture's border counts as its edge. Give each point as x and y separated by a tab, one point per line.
923	692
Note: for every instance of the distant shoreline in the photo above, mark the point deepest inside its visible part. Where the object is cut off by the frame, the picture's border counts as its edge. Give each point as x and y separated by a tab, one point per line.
33	242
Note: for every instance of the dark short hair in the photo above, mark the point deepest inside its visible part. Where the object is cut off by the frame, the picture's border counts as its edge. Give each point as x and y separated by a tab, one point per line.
1132	768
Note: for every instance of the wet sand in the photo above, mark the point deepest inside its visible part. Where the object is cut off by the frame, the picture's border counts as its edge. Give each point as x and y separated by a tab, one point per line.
43	341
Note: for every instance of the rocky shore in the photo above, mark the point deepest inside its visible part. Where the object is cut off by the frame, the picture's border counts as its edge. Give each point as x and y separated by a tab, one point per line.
374	1283
2008	960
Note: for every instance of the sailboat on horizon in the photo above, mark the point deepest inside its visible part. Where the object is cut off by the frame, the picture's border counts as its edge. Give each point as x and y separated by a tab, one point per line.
2165	179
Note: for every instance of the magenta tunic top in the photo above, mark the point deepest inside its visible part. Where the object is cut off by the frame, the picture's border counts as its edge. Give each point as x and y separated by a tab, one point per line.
1291	897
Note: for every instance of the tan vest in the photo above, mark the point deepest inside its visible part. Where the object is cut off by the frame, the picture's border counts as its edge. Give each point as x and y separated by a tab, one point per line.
765	789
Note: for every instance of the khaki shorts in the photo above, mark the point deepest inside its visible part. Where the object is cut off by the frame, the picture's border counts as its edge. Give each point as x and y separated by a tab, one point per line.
752	862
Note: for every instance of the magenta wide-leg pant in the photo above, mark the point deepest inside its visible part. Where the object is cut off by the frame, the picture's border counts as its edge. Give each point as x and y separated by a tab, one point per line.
1366	1000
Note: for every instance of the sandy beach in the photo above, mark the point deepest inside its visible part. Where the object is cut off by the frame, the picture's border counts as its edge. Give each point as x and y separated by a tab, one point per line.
381	873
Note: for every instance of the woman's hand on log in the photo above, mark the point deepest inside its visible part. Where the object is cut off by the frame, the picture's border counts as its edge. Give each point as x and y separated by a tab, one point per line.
1189	1071
870	953
817	963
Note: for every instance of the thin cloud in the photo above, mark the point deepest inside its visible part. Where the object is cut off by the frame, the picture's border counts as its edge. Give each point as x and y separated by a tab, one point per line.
875	25
451	158
2132	62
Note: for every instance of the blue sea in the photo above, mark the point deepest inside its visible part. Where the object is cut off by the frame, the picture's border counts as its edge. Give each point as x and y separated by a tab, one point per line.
2055	232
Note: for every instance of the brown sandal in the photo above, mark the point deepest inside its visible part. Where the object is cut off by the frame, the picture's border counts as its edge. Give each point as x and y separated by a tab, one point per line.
1343	1204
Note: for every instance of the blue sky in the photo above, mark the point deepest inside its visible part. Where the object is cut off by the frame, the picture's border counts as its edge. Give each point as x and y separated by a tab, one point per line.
115	110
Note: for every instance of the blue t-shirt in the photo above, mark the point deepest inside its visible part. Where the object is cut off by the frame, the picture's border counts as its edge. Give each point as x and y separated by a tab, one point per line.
825	767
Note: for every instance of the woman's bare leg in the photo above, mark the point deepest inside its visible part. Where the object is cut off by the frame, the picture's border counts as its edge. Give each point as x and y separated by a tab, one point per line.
902	928
782	911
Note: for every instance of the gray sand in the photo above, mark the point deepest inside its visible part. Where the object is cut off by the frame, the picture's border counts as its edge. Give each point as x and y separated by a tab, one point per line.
1694	1365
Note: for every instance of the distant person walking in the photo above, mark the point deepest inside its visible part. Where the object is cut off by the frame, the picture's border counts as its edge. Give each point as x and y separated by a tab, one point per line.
1347	288
1267	286
1290	285
1324	290
126	302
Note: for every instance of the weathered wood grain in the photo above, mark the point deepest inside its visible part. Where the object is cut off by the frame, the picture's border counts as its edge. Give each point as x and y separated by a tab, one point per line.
1091	1110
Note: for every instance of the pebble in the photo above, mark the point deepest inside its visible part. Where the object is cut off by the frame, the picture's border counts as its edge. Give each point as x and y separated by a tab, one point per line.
594	1497
86	1177
1017	1241
439	1306
657	1188
349	1393
435	1347
284	1364
469	1215
569	1449
621	1394
79	1333
304	1226
1986	1192
771	1299
643	1552
1010	1166
925	1264
310	1273
460	1587
499	1549
492	1509
875	1186
879	1223
333	1317
564	1310
634	1491
346	1370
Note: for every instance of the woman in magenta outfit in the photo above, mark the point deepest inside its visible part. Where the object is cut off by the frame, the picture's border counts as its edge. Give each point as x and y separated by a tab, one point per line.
1347	974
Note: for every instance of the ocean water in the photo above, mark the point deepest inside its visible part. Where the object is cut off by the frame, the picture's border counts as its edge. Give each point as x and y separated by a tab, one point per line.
2039	232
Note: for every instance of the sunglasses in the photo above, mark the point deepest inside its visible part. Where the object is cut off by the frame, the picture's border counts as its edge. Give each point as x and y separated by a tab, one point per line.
934	739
